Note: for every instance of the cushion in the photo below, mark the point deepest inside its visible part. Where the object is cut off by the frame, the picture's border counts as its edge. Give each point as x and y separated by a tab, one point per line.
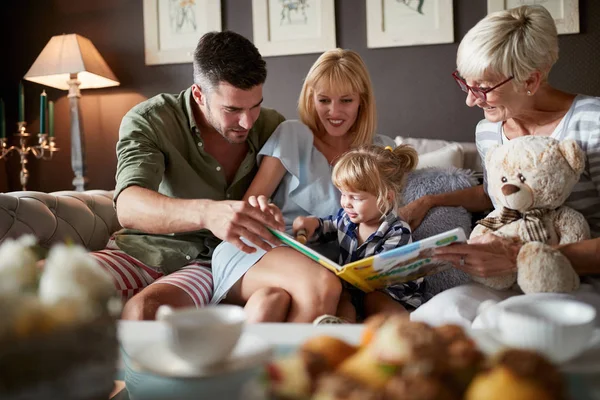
440	219
450	155
423	146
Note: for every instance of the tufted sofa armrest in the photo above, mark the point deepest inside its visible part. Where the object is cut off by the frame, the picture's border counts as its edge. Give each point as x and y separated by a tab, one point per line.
87	218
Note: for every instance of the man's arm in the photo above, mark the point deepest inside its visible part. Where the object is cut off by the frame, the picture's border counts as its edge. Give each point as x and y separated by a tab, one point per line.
149	211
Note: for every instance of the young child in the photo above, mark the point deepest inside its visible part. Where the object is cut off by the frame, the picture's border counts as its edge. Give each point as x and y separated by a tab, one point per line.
371	179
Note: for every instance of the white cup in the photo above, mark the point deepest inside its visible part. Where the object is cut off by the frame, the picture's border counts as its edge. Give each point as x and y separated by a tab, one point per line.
561	329
203	336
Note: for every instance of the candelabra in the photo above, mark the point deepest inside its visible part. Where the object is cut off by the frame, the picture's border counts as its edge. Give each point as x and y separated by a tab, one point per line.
44	150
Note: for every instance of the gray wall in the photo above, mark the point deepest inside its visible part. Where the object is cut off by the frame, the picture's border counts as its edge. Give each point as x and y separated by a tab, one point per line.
415	93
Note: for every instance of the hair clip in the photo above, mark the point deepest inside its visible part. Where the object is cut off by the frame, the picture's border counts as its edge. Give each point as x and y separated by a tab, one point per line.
389	148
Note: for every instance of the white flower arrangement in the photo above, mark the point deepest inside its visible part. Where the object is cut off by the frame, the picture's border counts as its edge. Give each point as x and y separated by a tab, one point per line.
71	275
17	265
72	288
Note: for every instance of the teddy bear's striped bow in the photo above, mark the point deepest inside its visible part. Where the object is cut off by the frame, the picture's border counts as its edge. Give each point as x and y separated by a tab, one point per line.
533	223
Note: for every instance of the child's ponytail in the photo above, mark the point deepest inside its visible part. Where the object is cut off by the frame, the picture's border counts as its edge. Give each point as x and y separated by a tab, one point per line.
407	158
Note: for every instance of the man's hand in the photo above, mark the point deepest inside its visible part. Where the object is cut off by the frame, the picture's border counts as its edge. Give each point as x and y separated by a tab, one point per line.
231	220
414	212
485	256
262	203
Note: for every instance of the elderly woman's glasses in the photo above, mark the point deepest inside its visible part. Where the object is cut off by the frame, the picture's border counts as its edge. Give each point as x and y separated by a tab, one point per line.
479	93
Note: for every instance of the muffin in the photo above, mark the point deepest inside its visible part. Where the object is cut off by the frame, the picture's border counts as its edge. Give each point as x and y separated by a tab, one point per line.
409	345
518	375
364	368
340	387
371	326
418	387
464	358
332	349
295	376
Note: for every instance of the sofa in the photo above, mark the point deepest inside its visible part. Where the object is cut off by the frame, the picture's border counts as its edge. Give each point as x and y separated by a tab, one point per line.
89	218
86	218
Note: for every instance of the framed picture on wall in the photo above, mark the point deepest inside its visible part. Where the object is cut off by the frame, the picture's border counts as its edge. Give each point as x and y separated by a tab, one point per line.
284	27
564	12
392	23
172	28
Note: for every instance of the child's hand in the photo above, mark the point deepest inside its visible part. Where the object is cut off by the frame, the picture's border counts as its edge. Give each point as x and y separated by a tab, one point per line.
304	228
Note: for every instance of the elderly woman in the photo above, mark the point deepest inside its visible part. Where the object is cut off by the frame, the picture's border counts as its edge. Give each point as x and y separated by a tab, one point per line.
503	66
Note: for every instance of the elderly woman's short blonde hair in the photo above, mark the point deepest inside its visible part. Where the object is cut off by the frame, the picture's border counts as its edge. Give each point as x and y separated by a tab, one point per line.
340	72
513	42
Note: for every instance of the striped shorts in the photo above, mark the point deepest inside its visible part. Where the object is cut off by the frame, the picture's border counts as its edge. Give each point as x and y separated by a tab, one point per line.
131	275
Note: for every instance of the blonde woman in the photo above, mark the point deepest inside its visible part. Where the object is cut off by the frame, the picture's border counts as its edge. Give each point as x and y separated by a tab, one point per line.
503	65
337	112
370	179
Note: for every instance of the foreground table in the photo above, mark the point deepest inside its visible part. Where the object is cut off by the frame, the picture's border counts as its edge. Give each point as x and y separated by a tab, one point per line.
284	337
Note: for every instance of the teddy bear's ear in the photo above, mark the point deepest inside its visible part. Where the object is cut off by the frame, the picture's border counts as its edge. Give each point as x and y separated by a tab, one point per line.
488	155
573	154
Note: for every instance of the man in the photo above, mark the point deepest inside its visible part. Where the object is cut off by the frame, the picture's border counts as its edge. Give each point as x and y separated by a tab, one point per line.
183	162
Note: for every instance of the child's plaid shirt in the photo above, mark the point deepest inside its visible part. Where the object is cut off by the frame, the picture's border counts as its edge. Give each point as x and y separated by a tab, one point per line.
393	232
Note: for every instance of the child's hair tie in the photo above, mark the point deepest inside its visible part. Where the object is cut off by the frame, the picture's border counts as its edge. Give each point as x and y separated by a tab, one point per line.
389	148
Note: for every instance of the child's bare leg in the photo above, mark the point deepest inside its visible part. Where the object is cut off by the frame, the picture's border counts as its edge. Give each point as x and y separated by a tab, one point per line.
378	302
268	304
345	307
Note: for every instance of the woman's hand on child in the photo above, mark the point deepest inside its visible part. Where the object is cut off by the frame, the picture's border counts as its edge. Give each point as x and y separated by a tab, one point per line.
414	212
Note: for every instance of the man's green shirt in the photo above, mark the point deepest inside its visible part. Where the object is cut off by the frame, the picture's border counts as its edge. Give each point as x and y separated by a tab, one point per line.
161	148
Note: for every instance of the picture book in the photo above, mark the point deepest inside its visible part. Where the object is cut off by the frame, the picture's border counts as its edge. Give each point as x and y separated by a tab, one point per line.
402	264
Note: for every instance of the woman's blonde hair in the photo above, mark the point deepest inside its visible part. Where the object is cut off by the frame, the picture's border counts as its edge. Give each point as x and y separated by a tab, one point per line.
340	72
376	170
513	42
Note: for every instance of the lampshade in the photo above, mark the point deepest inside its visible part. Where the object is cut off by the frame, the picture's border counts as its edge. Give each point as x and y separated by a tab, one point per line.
71	54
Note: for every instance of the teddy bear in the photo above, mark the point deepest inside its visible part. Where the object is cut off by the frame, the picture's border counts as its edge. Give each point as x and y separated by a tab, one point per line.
529	179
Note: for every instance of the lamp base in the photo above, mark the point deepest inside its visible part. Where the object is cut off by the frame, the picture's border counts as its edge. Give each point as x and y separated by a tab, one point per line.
77	137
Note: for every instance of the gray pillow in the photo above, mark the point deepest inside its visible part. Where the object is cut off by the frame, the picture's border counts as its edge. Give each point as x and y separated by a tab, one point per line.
440	219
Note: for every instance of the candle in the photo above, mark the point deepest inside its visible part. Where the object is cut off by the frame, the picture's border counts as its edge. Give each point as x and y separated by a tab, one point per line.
21	103
2	121
43	105
51	119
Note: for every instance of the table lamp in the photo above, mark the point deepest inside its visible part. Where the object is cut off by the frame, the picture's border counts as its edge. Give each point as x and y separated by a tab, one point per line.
71	62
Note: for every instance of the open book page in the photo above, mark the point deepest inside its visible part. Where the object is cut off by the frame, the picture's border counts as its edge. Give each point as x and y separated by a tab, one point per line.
399	265
307	251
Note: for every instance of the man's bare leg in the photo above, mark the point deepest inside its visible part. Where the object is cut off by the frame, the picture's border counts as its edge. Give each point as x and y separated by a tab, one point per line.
143	305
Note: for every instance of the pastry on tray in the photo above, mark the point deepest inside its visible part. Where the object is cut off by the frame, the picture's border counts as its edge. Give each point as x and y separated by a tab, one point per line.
409	345
341	387
334	350
519	375
418	387
405	360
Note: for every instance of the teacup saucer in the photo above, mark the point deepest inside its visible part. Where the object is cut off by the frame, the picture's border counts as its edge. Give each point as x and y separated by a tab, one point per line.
156	357
488	340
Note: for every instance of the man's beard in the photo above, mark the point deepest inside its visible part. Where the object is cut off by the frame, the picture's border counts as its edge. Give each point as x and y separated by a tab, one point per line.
217	127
